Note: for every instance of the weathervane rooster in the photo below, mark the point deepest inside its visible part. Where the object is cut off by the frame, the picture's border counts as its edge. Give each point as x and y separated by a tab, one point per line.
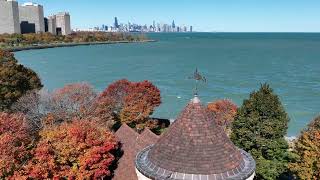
197	77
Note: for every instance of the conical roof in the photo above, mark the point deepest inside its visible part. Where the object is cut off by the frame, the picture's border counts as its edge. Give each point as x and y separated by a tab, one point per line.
195	146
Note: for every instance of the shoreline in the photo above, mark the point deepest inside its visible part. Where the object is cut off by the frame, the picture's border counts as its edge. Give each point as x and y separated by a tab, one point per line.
57	45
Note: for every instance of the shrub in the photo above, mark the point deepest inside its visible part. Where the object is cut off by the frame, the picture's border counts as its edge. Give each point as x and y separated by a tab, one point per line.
259	128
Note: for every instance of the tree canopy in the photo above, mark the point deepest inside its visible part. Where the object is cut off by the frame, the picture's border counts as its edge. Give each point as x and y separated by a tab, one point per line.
307	148
15	80
259	128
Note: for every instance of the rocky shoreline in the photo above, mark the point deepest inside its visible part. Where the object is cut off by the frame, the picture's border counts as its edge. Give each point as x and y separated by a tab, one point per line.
55	45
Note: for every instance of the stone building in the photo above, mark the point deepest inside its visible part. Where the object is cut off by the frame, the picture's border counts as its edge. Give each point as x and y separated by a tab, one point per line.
31	18
9	17
63	26
194	148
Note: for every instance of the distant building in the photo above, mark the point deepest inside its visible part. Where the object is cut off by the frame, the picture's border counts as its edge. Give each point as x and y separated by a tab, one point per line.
63	24
9	17
52	24
191	29
116	23
31	18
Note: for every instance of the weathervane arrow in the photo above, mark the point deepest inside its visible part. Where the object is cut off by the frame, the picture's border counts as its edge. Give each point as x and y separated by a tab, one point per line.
197	77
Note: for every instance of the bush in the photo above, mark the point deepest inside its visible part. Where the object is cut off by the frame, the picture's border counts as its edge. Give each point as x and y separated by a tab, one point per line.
259	128
307	148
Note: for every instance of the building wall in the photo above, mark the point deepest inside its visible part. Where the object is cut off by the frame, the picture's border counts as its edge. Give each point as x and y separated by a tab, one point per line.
33	14
9	17
52	25
63	22
141	176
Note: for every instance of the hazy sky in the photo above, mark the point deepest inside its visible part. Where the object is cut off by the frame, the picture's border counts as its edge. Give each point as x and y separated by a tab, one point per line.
204	15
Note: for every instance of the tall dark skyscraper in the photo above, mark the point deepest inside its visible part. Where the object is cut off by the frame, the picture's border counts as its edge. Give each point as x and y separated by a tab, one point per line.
116	24
173	24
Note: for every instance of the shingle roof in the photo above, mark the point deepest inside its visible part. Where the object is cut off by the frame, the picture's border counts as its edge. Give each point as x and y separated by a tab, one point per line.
194	146
132	142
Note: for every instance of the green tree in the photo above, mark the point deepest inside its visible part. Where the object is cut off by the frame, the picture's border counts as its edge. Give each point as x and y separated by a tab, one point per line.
15	80
307	148
259	128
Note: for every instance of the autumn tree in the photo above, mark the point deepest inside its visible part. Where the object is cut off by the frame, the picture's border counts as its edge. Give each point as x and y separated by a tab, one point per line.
14	141
73	100
128	102
35	105
76	150
259	128
140	103
307	147
224	111
15	80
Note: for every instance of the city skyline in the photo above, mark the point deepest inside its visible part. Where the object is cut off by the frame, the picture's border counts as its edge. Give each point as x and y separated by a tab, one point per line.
203	15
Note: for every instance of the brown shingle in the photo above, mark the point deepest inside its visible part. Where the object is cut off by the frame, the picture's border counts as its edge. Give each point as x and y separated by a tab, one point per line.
194	144
132	143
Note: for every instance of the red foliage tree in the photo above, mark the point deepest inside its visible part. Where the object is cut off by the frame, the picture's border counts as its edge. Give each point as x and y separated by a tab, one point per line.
128	102
140	102
76	150
225	111
14	140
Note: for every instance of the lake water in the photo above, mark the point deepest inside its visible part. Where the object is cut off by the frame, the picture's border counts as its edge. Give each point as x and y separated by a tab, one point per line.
234	64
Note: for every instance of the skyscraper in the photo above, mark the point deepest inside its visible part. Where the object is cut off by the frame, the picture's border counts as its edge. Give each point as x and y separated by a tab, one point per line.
116	24
173	24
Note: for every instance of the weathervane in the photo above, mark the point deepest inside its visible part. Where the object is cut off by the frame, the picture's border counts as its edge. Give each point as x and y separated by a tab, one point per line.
197	77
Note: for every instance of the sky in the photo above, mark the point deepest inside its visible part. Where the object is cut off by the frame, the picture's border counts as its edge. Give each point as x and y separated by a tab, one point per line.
203	15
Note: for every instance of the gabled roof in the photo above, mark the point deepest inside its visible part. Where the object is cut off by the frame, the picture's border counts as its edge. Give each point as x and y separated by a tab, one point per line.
195	147
132	142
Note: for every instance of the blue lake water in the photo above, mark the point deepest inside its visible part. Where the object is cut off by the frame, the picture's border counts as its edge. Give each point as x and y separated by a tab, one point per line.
234	64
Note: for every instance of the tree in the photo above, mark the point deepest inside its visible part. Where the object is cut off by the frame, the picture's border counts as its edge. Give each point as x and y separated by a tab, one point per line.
73	100
224	111
15	80
259	128
307	148
127	102
140	102
14	141
64	104
76	150
35	105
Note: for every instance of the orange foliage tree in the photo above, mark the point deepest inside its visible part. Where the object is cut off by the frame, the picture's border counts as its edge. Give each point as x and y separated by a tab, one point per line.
140	102
76	150
225	111
307	147
14	140
128	102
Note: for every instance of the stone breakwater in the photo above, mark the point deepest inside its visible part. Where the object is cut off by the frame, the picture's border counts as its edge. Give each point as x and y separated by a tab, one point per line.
55	45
